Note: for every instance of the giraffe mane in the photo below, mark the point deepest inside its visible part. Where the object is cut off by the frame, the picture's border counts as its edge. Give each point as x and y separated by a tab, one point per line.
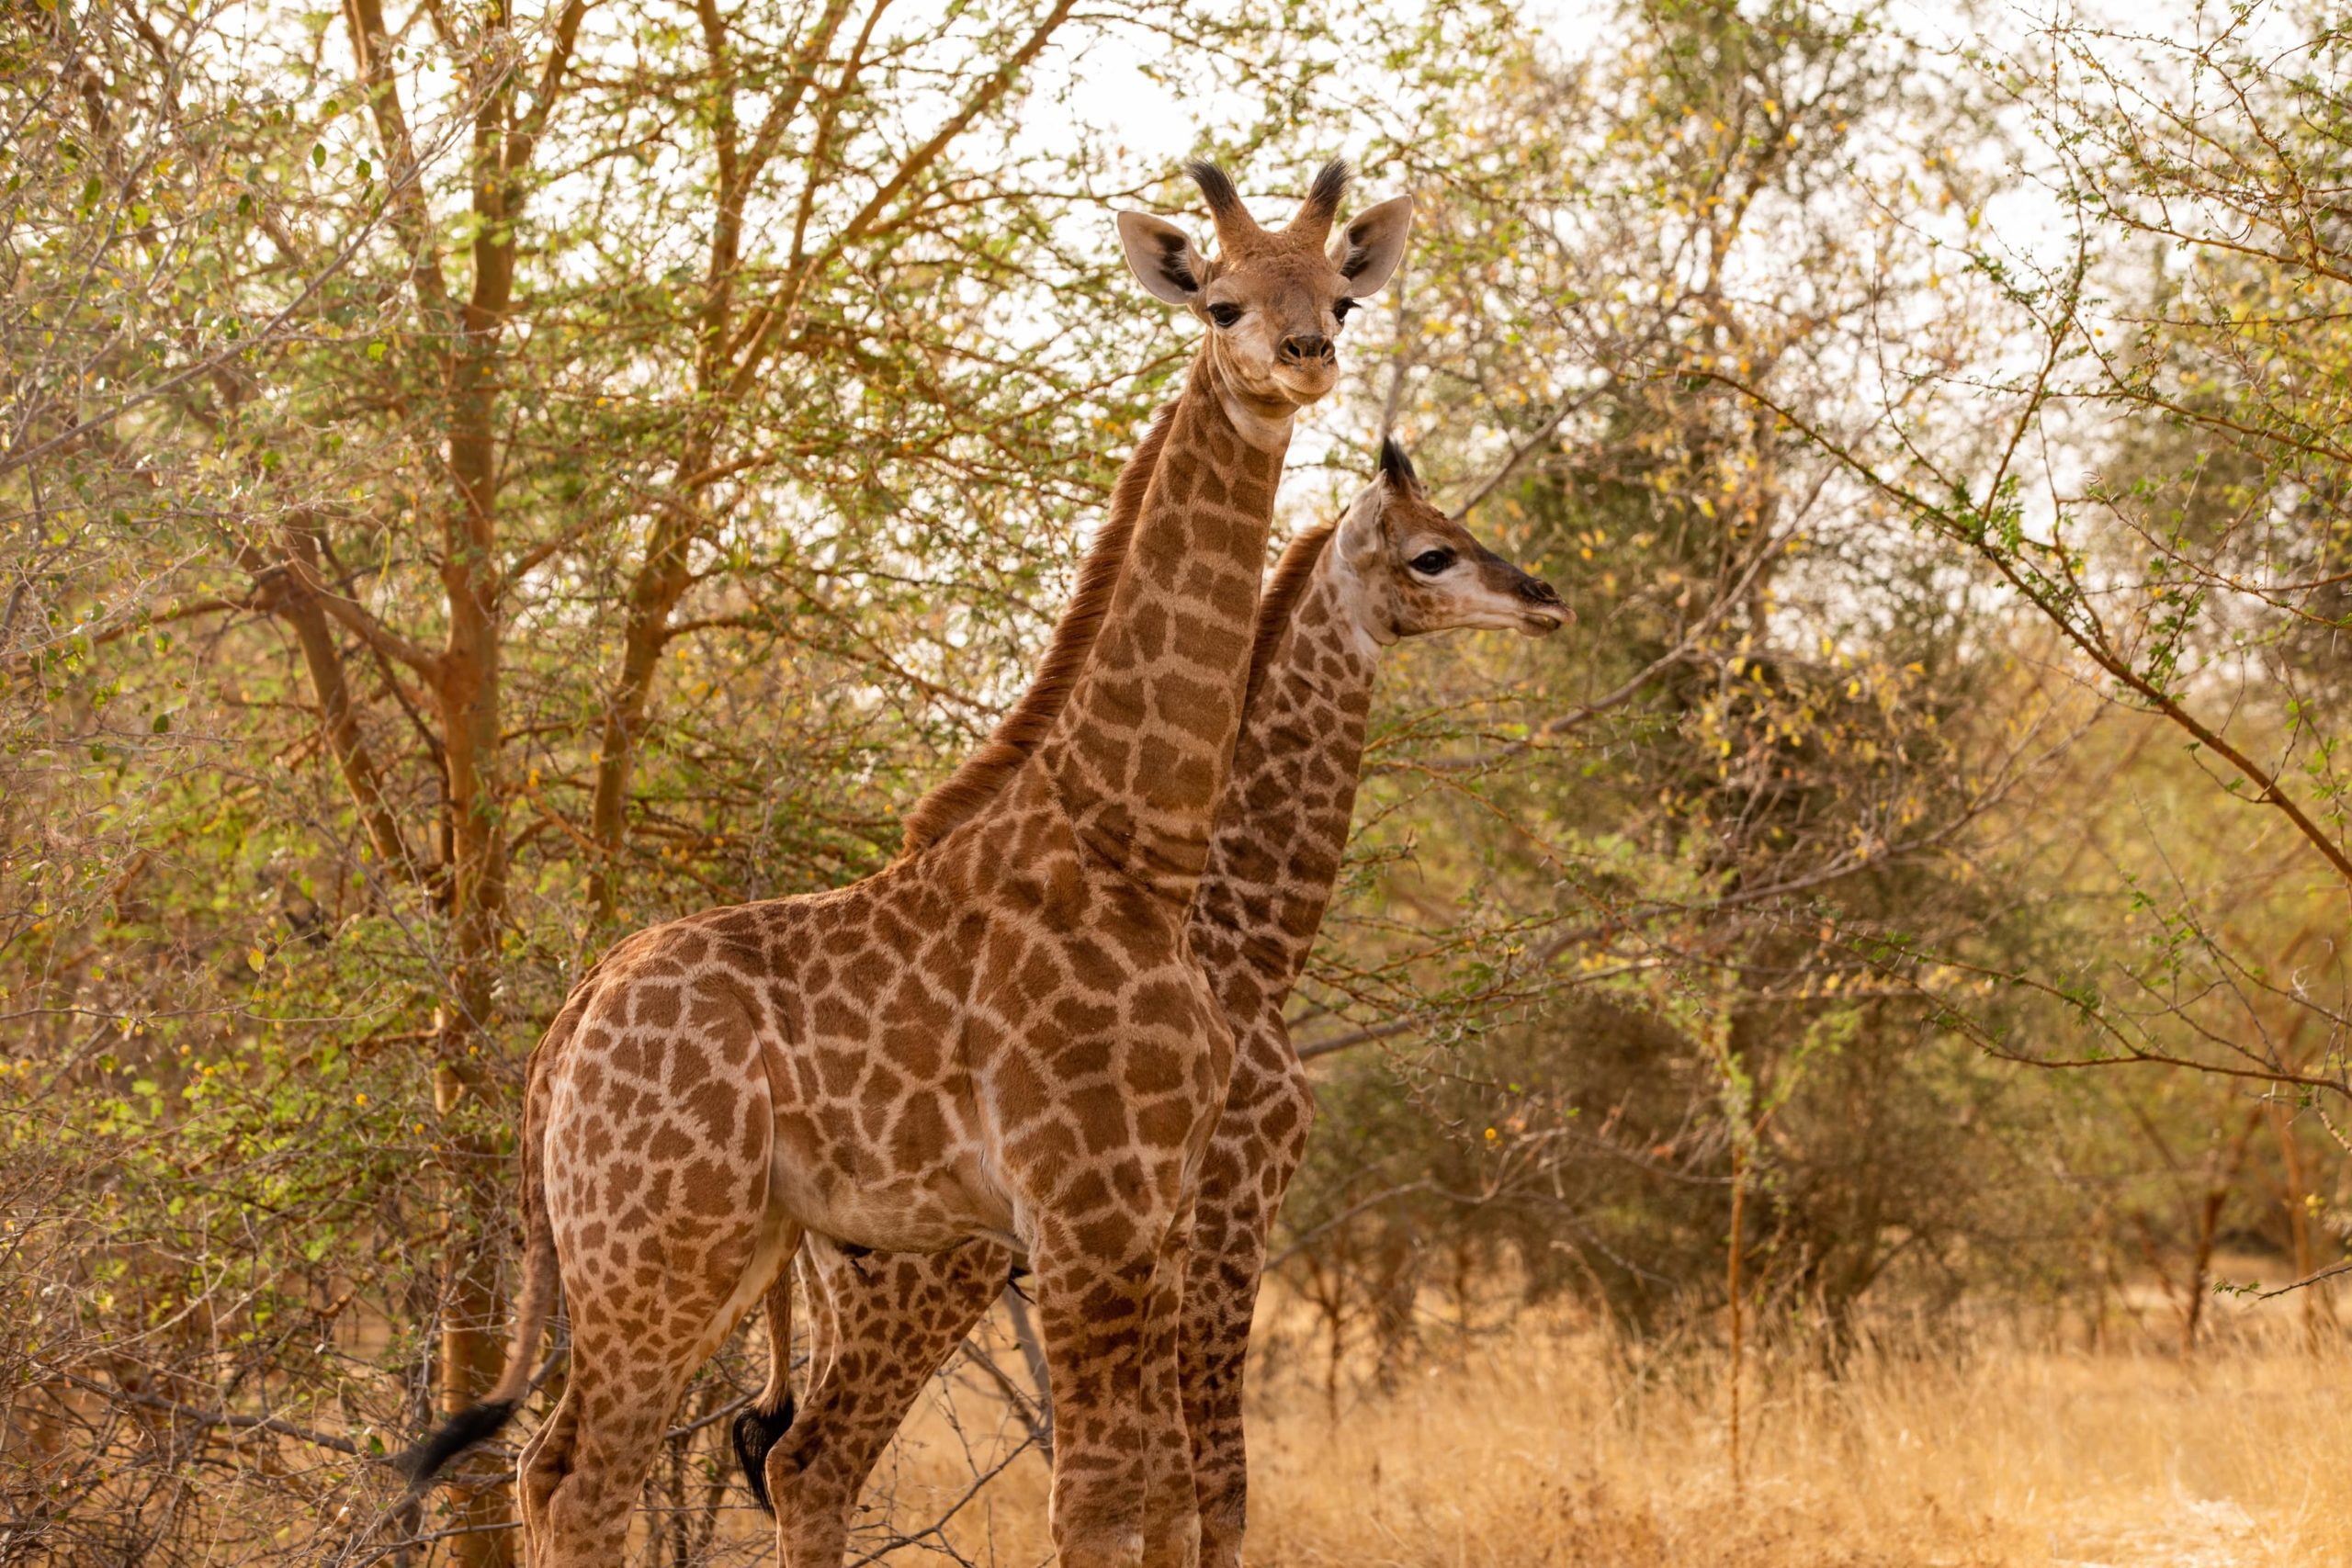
1280	601
948	804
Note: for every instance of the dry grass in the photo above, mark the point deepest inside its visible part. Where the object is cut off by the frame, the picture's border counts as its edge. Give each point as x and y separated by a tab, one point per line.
1534	1447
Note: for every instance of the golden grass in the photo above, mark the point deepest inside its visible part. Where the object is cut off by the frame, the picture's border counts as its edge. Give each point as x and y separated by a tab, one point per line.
1534	1447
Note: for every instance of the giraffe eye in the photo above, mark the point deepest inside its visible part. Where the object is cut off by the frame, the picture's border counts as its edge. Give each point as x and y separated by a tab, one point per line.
1224	315
1428	563
1342	308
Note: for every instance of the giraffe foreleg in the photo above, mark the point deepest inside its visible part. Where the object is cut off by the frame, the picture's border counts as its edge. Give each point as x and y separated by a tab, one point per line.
1220	1298
1171	1535
1118	1432
1259	1144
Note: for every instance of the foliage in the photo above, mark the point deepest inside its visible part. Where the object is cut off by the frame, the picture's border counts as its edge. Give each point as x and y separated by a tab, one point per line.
476	484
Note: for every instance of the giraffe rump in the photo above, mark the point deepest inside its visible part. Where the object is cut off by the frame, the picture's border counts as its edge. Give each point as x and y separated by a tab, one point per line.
1020	732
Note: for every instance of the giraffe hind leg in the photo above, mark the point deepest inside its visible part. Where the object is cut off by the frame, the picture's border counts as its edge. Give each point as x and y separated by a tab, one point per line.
582	1477
545	1461
582	1485
657	1190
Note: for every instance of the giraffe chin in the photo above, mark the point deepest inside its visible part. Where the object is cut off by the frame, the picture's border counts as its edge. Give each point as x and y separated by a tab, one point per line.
1300	389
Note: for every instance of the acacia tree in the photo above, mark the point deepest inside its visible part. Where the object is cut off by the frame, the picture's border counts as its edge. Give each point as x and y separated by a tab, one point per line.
2158	498
1757	763
522	474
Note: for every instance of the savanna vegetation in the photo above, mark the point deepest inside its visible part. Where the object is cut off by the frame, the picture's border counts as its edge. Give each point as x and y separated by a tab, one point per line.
1839	1057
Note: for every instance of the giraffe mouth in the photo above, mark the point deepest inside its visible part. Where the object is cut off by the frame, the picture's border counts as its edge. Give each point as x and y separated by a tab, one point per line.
1304	384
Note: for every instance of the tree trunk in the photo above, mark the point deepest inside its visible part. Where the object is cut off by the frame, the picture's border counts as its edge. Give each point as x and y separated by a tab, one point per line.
468	697
2317	1304
2222	1173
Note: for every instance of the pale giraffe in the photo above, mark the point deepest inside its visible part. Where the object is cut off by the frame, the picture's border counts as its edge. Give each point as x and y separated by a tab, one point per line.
1004	1036
881	1324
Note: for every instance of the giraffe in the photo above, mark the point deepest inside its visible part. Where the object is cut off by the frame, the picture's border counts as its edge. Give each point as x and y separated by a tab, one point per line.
1004	1035
1394	566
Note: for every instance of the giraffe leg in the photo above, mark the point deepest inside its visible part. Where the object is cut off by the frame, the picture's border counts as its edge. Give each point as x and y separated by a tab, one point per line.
1258	1143
659	1205
1115	1429
581	1474
546	1459
1220	1297
1171	1534
887	1322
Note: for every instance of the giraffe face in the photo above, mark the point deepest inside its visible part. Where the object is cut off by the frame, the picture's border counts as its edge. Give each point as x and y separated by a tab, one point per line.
1274	300
1415	570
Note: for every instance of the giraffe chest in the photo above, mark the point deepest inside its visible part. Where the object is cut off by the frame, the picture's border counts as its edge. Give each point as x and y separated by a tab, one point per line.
1051	1025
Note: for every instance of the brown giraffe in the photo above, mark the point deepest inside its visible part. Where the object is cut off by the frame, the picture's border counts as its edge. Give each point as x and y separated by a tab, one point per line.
1005	1036
880	1325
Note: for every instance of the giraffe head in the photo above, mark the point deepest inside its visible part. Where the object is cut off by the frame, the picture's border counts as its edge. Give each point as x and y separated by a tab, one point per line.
1411	569
1274	300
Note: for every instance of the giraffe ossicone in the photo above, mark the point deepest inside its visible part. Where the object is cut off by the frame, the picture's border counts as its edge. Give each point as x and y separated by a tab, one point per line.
1002	1036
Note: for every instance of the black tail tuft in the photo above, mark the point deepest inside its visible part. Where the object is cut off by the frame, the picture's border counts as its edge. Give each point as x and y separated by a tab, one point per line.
474	1425
757	1431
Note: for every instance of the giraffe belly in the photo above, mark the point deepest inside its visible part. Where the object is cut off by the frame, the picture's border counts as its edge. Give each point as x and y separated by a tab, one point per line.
908	1213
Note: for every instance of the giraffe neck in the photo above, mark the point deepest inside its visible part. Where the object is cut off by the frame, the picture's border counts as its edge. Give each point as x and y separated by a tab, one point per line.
1139	754
1276	852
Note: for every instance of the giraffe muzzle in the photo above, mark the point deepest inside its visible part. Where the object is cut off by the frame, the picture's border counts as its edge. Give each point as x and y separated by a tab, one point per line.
1549	613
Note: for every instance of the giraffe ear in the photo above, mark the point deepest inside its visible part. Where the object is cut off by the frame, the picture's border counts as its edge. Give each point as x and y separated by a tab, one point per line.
1362	534
1367	251
1162	257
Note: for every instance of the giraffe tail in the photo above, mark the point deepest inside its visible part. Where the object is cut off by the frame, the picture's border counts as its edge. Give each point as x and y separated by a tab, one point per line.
541	1278
764	1424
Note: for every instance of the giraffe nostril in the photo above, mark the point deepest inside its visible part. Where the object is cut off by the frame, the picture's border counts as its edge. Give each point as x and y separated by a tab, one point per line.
1536	590
1307	347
